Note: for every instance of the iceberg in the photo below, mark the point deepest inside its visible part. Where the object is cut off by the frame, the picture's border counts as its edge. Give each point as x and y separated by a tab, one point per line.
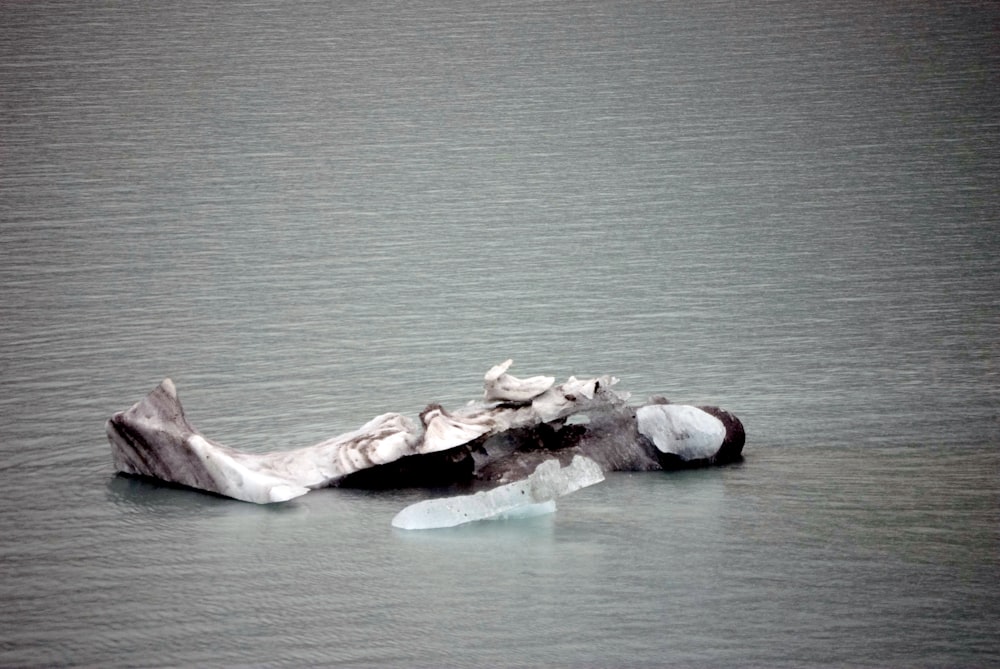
526	443
154	438
528	497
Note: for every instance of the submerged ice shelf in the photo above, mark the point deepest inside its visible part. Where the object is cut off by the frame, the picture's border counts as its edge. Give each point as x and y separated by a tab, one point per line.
509	447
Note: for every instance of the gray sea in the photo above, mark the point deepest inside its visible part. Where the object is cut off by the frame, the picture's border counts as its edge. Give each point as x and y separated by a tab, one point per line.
310	213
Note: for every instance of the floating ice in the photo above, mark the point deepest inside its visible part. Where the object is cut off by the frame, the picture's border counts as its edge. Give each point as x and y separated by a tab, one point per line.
493	441
534	495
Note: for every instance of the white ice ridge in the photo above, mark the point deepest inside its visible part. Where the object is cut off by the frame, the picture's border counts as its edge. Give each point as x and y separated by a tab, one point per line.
533	495
685	431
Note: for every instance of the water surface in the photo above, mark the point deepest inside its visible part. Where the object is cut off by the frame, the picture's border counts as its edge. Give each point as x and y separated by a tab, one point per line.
307	215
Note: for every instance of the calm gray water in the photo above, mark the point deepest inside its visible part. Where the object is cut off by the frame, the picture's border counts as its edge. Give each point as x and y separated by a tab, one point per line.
310	213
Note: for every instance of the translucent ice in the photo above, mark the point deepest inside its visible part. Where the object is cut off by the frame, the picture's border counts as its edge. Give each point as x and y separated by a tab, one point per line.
533	495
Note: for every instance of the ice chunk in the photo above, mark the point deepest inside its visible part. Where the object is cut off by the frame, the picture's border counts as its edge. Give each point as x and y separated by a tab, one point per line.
681	430
530	496
502	387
